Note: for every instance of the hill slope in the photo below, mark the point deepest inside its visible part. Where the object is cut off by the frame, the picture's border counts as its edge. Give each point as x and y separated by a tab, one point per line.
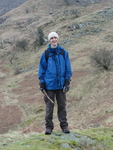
82	30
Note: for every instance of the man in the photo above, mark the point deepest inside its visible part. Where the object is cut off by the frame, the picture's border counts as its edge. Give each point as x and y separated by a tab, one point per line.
54	75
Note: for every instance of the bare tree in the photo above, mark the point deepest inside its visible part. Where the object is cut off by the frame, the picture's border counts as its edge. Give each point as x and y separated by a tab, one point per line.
12	56
39	38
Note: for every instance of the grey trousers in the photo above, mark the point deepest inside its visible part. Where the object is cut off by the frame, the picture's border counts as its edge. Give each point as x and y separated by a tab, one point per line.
61	108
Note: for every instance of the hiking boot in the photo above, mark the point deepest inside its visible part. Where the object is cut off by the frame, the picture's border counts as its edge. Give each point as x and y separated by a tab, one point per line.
48	131
66	130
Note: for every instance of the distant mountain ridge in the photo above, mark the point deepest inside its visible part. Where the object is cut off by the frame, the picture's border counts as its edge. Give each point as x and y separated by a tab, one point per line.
7	5
82	2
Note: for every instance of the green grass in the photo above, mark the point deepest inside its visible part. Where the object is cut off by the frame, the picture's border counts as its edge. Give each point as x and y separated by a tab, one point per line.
37	142
103	136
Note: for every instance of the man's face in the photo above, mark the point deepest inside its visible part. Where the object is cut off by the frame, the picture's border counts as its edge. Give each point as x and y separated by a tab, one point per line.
54	41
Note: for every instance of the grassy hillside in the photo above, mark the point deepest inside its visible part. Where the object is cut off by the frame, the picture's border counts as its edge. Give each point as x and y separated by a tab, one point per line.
82	31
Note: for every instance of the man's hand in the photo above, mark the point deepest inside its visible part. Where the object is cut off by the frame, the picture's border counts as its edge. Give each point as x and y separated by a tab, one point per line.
66	89
42	87
66	86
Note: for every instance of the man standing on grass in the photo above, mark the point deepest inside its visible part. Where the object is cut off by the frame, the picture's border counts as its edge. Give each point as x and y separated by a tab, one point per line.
54	75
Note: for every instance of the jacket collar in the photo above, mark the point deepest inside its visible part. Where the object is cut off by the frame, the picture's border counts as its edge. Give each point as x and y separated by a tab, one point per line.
54	50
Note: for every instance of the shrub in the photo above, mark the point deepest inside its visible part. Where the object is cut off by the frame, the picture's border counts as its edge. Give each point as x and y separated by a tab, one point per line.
67	2
17	71
27	10
22	45
102	59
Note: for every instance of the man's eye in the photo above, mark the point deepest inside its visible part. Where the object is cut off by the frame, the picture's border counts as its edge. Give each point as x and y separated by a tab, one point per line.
53	38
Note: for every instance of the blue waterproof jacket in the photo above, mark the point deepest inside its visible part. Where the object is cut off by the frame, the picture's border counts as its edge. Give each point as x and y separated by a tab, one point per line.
54	71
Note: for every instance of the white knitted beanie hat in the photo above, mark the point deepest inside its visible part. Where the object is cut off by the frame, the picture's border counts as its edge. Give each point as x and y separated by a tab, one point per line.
52	34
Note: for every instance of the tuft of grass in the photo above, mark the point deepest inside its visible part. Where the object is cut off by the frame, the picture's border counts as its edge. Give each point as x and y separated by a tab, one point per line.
101	134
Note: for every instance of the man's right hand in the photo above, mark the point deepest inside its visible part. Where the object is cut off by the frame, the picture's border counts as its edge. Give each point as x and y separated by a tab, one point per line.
42	87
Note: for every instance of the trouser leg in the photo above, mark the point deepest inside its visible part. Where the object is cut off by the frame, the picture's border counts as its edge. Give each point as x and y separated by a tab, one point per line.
49	109
62	114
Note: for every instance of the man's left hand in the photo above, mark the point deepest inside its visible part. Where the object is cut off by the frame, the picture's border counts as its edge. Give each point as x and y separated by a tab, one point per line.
66	86
66	89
